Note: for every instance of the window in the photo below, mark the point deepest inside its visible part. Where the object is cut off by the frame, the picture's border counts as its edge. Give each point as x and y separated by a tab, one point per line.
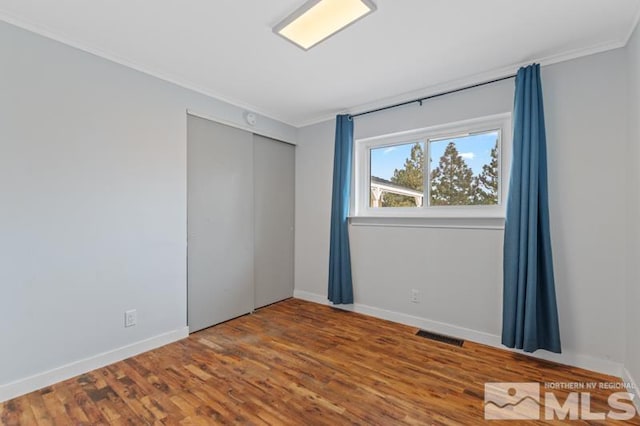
454	170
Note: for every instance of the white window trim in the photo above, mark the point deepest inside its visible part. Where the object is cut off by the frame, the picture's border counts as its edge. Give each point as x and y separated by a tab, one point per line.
360	206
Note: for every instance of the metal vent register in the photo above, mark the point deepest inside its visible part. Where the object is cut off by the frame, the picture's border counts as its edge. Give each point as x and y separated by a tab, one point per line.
440	338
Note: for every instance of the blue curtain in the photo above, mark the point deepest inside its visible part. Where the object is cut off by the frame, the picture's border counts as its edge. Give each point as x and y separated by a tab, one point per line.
340	285
530	314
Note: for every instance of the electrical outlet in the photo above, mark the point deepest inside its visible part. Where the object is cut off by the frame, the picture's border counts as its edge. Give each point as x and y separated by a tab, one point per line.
415	296
130	318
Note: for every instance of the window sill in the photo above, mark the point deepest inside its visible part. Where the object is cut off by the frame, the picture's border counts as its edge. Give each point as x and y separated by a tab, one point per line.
429	222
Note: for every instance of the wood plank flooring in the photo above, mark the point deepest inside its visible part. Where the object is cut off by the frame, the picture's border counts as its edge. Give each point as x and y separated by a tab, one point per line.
296	363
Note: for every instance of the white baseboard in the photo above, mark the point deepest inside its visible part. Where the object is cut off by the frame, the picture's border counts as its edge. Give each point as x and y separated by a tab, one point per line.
628	379
568	358
65	372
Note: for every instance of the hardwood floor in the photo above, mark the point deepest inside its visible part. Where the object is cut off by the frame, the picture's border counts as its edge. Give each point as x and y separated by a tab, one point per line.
296	363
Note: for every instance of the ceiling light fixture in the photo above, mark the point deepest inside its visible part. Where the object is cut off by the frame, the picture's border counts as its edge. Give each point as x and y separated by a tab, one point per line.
317	20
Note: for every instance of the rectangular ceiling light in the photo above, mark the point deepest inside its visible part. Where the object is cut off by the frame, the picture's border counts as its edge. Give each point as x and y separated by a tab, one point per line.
317	20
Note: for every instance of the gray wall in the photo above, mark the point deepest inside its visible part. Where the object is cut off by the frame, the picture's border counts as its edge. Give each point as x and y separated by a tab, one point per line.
459	271
93	208
633	158
93	202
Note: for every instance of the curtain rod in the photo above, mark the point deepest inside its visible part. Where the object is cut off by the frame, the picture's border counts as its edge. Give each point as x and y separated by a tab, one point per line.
437	95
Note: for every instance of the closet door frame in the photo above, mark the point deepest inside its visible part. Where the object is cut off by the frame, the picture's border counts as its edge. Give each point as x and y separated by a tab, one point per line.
234	276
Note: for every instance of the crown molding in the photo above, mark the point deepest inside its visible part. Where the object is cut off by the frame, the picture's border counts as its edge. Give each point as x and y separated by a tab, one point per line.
168	77
634	25
423	92
470	80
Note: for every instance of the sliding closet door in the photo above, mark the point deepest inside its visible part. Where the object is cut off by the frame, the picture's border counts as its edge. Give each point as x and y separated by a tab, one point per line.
220	223
274	167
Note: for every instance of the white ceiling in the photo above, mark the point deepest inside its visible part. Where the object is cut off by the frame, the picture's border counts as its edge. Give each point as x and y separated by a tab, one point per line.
225	48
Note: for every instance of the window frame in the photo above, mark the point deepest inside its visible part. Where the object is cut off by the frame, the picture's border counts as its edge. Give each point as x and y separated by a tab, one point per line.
362	169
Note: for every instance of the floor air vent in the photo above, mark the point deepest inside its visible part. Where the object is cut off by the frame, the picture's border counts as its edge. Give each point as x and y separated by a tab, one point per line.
440	338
